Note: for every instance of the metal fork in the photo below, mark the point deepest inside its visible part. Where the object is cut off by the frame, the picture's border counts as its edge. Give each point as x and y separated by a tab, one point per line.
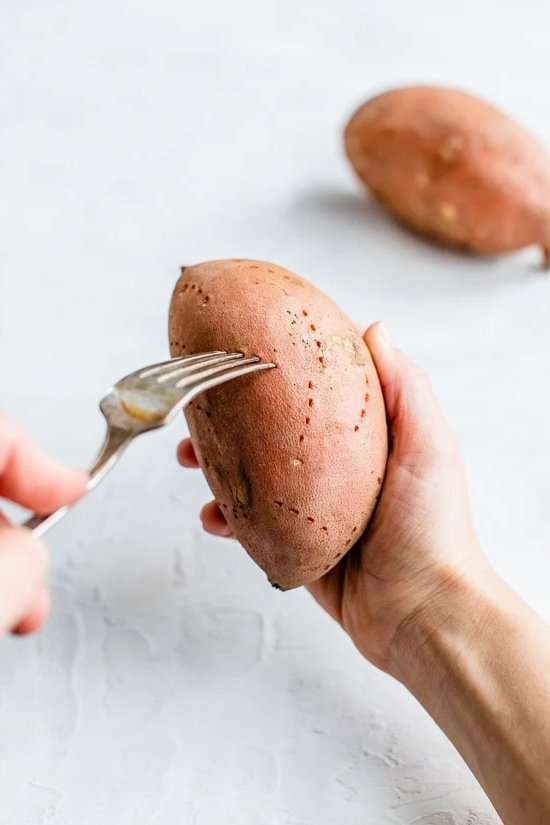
148	399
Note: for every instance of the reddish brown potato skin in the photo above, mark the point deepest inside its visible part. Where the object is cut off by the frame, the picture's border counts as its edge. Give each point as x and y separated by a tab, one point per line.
295	456
454	168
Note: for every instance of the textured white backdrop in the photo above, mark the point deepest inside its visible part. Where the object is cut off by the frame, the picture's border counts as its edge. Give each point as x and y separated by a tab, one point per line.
172	684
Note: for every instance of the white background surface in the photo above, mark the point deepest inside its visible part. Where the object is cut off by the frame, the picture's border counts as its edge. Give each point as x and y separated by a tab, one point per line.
172	684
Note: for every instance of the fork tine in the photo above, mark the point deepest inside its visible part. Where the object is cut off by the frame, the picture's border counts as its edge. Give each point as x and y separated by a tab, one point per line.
164	366
225	373
201	374
211	361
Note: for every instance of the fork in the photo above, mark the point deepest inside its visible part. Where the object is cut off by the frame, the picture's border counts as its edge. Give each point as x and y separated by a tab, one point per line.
148	399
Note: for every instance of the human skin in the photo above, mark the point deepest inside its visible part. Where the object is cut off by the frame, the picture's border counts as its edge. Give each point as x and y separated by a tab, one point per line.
421	602
29	478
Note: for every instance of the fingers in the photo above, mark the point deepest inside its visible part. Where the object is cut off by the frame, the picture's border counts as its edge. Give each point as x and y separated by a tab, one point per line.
23	566
416	422
213	521
212	518
29	477
186	454
36	616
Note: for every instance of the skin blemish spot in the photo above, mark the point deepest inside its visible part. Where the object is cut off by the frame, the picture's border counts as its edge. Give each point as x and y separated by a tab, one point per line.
324	529
348	542
448	212
354	530
310	385
199	291
301	439
199	407
304	313
297	462
243	492
326	567
363	413
367	397
321	360
206	299
207	414
293	510
318	344
422	179
310	402
356	427
313	328
278	503
379	480
308	419
310	520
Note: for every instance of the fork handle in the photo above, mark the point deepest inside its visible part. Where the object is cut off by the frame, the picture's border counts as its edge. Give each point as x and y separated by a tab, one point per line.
116	441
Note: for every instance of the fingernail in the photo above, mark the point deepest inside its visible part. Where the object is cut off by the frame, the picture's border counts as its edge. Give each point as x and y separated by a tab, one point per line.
385	334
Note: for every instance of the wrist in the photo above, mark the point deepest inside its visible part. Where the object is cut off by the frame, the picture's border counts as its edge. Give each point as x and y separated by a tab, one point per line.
477	658
449	620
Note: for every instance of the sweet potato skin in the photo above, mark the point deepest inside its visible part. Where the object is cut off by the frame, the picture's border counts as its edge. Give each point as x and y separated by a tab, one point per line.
295	455
453	168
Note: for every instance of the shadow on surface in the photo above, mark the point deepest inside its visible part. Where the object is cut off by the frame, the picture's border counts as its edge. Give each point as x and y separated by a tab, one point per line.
351	230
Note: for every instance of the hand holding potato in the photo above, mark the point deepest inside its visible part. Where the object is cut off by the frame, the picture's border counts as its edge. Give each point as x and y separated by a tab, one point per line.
30	479
421	537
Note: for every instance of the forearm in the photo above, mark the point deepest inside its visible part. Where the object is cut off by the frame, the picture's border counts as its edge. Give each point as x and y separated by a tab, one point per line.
478	659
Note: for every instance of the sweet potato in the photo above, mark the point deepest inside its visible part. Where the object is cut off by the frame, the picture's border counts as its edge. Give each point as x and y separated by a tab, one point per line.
453	168
295	455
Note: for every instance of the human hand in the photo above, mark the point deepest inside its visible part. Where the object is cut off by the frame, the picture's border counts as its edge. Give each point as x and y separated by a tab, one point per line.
31	479
421	539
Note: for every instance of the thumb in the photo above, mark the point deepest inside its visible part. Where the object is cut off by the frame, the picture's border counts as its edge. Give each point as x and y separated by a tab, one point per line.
23	566
417	425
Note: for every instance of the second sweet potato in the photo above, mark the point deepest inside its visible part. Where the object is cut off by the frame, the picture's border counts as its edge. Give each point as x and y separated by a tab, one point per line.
453	168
